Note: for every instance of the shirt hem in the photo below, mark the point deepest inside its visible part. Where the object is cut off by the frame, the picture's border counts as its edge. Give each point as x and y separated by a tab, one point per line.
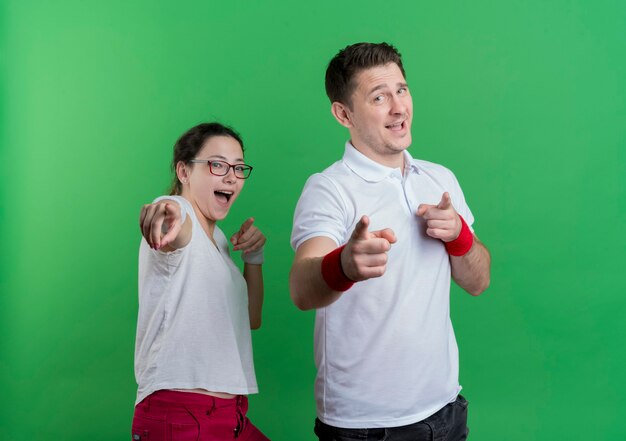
386	423
231	390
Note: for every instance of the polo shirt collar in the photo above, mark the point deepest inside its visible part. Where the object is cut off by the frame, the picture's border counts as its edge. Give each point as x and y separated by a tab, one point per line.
372	171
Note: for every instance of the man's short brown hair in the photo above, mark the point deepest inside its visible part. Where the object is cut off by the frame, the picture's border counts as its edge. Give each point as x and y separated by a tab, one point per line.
353	59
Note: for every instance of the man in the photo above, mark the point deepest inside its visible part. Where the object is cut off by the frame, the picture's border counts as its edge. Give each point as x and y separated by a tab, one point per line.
377	236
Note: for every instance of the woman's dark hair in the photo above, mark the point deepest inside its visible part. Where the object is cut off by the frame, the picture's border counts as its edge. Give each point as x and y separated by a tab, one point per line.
188	146
351	60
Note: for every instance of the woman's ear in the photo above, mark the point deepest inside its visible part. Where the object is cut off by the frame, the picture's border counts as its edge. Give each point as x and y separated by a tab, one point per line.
182	172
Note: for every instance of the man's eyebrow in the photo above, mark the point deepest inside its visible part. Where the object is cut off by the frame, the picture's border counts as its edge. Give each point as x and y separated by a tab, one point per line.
377	88
384	86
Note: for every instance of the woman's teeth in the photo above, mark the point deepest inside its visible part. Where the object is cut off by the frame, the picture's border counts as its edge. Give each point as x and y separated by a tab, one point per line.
224	195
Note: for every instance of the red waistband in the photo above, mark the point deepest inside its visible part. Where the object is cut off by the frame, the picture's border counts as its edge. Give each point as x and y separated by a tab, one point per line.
173	397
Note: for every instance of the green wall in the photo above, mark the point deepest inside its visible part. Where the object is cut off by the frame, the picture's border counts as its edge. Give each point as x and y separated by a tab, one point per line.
524	100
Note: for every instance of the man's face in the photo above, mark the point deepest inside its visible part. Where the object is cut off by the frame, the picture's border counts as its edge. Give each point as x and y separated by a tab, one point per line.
381	113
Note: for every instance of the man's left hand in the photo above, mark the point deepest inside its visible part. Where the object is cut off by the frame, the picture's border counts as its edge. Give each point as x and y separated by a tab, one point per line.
442	220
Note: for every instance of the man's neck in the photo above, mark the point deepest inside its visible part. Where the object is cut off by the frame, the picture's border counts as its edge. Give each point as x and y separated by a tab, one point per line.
392	160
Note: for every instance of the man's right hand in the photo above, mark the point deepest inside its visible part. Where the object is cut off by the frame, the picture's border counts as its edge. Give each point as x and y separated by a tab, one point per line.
365	255
160	223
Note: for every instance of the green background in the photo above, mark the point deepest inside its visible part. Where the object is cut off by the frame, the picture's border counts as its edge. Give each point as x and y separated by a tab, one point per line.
524	100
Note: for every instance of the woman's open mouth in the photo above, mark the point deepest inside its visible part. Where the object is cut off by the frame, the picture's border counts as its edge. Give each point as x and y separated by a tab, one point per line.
223	196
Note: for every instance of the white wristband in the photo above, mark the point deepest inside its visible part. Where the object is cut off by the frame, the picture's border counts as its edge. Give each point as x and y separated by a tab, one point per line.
253	257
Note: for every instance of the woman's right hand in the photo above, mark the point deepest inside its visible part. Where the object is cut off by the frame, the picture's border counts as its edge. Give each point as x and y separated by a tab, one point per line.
160	223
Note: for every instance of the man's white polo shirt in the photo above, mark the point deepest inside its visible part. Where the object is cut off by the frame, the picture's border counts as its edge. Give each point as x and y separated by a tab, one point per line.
385	351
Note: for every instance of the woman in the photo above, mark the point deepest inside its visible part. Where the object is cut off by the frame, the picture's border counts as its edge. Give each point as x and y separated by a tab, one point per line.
193	355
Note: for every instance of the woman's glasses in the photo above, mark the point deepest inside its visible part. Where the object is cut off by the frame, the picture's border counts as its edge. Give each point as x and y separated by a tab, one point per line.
221	168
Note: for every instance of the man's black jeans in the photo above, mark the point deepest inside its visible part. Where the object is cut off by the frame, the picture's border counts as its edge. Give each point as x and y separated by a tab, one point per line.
448	424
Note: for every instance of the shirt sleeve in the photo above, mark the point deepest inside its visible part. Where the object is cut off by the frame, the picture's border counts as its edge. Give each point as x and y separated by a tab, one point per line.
321	211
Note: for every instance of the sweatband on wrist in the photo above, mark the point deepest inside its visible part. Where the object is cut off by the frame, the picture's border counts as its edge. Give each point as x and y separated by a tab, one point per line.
462	244
253	257
332	271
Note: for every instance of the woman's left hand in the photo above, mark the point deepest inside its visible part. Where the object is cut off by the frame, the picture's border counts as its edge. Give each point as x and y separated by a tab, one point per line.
249	238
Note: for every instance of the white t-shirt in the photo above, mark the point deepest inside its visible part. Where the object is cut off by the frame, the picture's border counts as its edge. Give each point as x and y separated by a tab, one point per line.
385	351
193	327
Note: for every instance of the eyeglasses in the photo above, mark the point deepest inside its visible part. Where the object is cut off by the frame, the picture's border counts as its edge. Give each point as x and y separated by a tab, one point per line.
221	168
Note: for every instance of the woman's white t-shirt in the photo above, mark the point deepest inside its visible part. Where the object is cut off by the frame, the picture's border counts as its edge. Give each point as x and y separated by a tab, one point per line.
193	327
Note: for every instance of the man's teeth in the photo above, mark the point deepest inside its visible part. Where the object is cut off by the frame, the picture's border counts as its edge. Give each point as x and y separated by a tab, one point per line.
396	125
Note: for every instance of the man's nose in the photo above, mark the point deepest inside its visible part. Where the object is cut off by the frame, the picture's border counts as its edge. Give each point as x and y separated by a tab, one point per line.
398	105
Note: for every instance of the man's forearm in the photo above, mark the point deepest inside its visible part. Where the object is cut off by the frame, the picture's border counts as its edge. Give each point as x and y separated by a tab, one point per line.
307	286
472	270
